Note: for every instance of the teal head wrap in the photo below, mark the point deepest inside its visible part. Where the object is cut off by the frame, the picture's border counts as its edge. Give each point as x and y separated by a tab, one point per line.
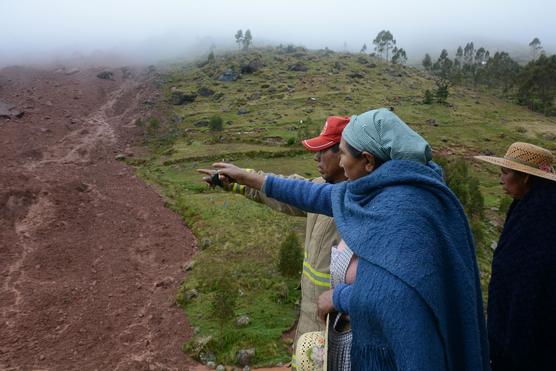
384	135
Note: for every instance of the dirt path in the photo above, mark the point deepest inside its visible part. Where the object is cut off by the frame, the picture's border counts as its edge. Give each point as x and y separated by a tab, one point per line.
90	260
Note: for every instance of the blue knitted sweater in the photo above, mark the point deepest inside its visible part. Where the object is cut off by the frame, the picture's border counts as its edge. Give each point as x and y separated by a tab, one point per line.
416	301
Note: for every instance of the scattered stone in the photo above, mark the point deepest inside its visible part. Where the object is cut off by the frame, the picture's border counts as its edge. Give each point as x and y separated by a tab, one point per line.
242	111
246	368
220	368
253	66
244	356
493	245
190	295
228	75
356	75
431	122
298	67
211	365
165	283
205	243
205	92
179	98
120	157
189	265
8	111
72	71
106	75
202	123
243	321
126	73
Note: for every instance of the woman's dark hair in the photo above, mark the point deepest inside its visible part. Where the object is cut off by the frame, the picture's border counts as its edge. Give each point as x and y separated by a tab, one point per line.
357	153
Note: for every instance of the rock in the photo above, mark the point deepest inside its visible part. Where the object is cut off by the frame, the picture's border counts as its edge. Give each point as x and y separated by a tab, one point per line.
205	243
202	123
356	75
246	368
243	321
166	282
228	75
126	73
253	66
189	265
119	157
8	111
298	67
105	75
211	365
220	368
178	97
431	122
190	295
205	92
242	111
72	71
493	245
244	356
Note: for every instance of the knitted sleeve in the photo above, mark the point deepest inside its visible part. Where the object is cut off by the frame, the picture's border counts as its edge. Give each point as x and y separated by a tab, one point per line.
311	197
341	296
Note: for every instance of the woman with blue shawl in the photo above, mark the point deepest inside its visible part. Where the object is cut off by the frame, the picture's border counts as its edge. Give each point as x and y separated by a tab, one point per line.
416	301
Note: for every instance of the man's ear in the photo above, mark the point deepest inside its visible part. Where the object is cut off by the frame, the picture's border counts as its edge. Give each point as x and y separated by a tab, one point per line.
369	161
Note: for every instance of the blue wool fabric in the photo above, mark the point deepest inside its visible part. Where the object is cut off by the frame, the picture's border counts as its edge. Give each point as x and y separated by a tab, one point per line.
416	301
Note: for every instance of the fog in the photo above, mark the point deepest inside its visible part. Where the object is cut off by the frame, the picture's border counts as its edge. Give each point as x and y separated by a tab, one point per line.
148	31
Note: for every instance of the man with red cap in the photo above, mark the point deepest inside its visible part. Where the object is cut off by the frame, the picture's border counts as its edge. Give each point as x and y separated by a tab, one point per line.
320	234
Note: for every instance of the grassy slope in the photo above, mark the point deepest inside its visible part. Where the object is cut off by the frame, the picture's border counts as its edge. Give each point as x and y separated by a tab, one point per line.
239	238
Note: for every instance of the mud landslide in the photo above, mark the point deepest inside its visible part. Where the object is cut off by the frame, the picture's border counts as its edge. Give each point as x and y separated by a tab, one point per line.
90	259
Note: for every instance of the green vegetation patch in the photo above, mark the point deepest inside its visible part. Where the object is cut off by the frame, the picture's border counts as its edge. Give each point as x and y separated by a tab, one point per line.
258	121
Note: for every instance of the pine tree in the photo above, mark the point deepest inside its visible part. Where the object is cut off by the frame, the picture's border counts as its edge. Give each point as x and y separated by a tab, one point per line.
239	38
363	48
535	46
427	62
247	40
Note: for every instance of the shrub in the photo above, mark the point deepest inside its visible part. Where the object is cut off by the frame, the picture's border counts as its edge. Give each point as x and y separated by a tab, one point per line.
216	123
428	98
224	300
291	256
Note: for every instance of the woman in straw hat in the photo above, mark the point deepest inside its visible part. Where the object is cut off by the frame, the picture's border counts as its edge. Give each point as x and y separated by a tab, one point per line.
416	302
522	292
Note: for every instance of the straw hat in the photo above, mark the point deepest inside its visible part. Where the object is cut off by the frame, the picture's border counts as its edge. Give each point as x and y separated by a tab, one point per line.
526	158
311	351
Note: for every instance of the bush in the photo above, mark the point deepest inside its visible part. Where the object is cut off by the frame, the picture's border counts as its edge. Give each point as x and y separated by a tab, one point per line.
216	123
224	300
428	98
291	256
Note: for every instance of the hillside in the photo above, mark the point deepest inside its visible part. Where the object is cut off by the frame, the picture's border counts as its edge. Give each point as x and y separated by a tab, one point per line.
273	99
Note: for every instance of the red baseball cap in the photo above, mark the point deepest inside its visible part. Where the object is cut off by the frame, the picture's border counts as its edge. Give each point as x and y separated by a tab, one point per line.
330	135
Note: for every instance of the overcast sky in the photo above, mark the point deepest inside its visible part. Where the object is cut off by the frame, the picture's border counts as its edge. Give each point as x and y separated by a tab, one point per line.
166	28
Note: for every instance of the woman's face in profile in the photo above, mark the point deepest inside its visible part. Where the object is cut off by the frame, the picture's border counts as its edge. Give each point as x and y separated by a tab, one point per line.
514	183
354	167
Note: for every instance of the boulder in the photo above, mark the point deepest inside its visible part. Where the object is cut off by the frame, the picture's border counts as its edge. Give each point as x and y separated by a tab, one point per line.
205	92
105	75
253	66
8	111
245	356
243	321
179	97
298	67
228	75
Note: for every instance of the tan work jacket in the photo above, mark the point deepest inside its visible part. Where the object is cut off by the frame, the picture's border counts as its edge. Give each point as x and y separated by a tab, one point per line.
320	236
